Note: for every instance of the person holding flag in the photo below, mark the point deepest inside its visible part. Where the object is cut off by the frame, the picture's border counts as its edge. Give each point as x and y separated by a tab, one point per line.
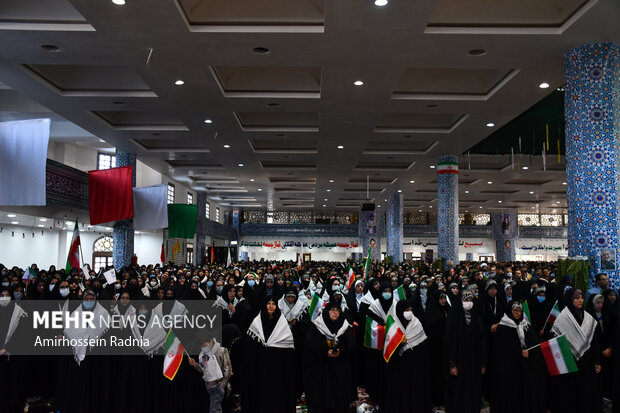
73	258
328	362
514	364
406	384
579	329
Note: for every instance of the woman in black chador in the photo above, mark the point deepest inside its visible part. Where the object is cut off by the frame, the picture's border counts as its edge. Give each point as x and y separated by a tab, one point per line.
464	357
517	370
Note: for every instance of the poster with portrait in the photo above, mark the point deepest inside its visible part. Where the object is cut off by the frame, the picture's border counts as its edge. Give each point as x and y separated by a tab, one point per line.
608	259
507	244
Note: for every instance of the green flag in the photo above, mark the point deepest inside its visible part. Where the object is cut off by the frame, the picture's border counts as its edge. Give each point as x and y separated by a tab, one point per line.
182	220
367	265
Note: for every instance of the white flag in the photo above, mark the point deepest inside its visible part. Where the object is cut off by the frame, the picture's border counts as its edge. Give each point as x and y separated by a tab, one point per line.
110	276
23	157
150	207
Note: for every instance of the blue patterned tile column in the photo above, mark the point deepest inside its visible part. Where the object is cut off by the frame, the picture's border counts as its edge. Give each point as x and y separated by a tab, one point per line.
371	230
448	209
394	227
123	230
505	232
592	102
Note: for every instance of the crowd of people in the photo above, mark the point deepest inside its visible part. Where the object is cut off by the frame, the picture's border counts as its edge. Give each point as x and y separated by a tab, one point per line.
296	335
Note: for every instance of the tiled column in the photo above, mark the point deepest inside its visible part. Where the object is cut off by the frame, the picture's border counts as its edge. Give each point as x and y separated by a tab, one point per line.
201	252
371	229
448	209
592	102
394	227
505	233
122	233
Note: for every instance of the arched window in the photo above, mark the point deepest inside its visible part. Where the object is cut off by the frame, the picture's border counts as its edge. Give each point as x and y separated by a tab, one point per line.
102	252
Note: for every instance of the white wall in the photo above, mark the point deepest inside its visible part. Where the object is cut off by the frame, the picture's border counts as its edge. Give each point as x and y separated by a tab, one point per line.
290	253
20	251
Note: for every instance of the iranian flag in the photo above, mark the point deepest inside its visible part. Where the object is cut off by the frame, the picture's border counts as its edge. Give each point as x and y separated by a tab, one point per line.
558	356
174	355
375	334
350	279
73	259
367	264
399	293
29	274
447	168
526	312
393	337
315	306
162	256
555	312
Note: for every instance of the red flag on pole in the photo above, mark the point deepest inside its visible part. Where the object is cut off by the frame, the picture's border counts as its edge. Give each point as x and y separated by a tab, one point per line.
73	258
212	254
162	257
110	195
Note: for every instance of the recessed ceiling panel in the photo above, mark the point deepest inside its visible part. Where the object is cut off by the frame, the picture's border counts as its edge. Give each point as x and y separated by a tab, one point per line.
527	181
177	145
39	11
141	120
500	191
90	77
372	180
283	146
384	166
419	122
385	147
449	81
198	163
293	189
285	180
507	13
306	164
233	15
278	121
257	81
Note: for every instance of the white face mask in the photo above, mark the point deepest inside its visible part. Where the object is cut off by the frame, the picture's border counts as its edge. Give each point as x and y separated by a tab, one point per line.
4	301
408	315
51	287
64	292
468	305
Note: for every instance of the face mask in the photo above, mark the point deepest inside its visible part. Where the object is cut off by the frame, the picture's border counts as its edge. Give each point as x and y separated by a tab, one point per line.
209	284
88	305
468	305
386	296
335	288
219	290
4	301
51	286
18	296
541	299
251	283
153	283
64	292
117	286
408	315
143	312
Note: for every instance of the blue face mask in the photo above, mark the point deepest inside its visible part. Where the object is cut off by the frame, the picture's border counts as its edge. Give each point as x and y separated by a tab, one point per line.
251	283
386	296
541	299
219	290
89	305
209	284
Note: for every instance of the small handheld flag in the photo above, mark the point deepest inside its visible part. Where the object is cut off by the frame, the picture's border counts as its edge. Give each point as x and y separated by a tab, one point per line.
173	355
399	293
393	337
350	279
558	356
526	312
375	334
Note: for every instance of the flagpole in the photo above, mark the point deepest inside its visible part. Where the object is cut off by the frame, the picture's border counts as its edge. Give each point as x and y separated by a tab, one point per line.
538	345
543	329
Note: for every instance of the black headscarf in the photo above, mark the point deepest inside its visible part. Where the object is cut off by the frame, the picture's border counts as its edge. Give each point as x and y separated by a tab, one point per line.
225	291
509	311
401	307
333	326
269	321
168	302
570	295
385	304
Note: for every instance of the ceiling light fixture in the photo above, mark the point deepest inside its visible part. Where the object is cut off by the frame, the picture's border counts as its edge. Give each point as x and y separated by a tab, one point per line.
240	164
260	189
14	222
119	2
480	207
499	202
329	190
378	206
325	199
340	147
430	206
412	182
40	225
331	180
543	85
432	166
399	191
526	168
563	183
324	205
490	124
381	3
179	82
358	83
531	192
42	219
208	121
466	192
251	179
226	146
489	182
11	215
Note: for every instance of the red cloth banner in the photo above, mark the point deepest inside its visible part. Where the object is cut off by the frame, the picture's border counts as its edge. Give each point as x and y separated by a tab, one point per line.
110	195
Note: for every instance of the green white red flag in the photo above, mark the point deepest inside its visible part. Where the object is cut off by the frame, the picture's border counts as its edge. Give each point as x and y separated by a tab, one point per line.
73	258
173	355
316	304
447	168
375	334
555	312
558	356
526	312
393	337
350	279
399	294
367	264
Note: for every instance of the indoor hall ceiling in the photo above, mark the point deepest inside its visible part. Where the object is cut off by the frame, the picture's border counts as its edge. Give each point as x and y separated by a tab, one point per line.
275	78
